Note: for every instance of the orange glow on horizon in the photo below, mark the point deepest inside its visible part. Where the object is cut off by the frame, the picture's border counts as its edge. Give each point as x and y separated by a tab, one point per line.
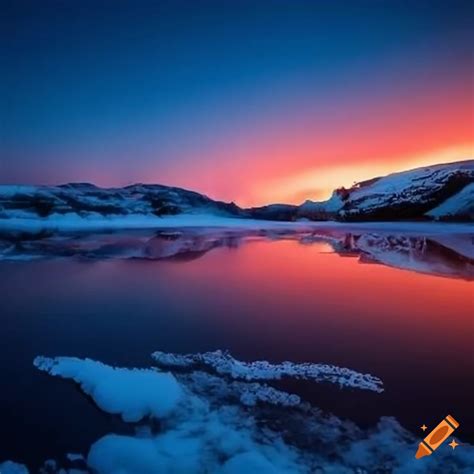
303	152
318	183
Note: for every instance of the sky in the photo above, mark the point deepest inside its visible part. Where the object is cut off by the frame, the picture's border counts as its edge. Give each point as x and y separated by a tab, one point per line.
247	101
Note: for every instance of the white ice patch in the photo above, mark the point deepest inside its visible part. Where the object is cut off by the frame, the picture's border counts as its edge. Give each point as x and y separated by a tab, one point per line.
247	393
212	432
132	393
10	467
209	442
223	363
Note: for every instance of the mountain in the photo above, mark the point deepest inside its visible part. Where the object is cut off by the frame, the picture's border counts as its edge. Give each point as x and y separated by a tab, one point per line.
440	192
87	200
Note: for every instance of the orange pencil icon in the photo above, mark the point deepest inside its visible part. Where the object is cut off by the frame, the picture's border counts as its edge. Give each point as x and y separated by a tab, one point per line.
437	436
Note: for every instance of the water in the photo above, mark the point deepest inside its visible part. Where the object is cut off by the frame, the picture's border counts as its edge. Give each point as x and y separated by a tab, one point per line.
282	299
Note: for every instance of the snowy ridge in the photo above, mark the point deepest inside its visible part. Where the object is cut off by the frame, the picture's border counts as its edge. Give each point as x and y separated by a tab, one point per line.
85	200
221	362
405	195
413	194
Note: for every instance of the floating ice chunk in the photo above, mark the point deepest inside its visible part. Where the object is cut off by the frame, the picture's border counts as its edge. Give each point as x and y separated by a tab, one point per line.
10	467
223	363
209	442
248	393
214	434
125	454
132	393
251	462
74	457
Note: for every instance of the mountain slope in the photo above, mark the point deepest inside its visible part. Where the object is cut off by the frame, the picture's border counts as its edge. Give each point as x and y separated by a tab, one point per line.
442	192
86	200
458	207
439	192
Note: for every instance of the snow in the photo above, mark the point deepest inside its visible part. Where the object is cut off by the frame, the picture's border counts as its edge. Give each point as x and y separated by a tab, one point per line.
10	467
247	393
73	222
67	222
84	206
428	177
75	457
8	190
208	444
132	393
221	362
332	205
211	431
403	189
461	204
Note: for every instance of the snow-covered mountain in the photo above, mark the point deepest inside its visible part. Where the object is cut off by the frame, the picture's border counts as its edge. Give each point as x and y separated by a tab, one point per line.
440	192
444	192
87	200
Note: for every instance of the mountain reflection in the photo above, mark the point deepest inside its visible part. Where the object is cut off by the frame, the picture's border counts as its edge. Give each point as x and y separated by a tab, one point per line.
449	255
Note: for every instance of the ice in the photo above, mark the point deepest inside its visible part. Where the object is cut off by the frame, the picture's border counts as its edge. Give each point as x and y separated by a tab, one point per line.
223	363
75	457
203	444
247	393
132	393
212	431
10	467
250	462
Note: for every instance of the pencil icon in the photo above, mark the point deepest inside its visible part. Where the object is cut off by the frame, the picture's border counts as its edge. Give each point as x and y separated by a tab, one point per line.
437	436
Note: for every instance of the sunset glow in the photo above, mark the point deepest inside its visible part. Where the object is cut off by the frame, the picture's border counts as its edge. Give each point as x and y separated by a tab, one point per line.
240	112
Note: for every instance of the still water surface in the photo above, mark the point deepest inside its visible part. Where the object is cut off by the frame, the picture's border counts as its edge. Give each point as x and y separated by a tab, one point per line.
274	300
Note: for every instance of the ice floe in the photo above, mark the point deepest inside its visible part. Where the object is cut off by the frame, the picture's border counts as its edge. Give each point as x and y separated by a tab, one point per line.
132	393
223	363
207	426
10	467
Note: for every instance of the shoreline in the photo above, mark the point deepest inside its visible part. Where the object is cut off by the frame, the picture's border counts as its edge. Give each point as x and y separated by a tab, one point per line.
73	222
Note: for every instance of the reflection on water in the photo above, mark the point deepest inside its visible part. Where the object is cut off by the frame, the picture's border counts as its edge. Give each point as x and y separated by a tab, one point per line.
262	295
450	255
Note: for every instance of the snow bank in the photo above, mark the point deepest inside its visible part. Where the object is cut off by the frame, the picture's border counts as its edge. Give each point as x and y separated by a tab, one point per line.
74	222
132	393
224	364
